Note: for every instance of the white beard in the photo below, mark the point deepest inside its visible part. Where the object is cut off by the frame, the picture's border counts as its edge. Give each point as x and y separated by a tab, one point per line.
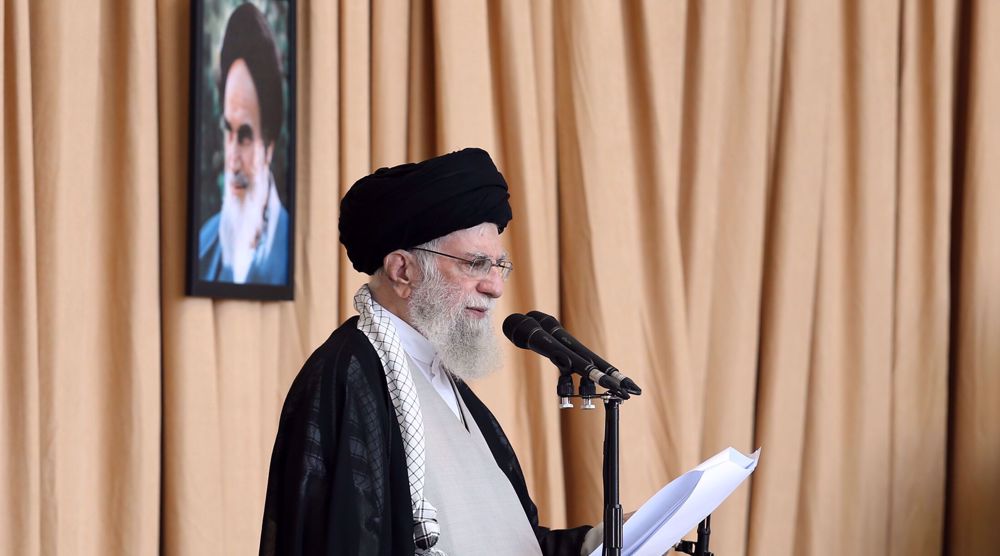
467	347
241	224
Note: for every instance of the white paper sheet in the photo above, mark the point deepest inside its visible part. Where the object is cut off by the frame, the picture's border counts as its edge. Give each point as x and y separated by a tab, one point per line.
678	507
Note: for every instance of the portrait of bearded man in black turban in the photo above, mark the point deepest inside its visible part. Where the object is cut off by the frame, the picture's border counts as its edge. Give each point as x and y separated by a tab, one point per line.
244	236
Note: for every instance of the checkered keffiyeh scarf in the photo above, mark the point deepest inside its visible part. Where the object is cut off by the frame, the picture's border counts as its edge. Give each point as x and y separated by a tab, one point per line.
375	324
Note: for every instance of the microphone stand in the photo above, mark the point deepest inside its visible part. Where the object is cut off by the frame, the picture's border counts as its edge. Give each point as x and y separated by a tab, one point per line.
612	503
613	516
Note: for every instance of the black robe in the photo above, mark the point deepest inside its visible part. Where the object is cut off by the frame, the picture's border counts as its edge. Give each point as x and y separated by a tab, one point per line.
338	481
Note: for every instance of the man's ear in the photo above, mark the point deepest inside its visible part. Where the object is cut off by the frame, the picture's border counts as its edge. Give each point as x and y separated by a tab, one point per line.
401	269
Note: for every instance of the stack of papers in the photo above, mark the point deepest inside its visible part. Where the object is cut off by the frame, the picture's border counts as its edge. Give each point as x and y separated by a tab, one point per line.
678	507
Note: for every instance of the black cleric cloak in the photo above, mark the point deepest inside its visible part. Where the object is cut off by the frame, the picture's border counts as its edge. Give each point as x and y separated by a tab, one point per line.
338	482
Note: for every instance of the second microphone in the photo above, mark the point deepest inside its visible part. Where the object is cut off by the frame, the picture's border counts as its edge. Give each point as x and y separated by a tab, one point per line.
526	333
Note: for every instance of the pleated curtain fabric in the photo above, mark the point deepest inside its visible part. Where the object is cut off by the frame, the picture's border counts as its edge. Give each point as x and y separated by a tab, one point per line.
777	216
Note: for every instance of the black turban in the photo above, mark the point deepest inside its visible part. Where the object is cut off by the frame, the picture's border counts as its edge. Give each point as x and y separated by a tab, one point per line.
410	204
248	37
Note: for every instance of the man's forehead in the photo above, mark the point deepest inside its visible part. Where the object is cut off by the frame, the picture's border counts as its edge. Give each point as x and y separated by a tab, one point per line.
484	239
241	94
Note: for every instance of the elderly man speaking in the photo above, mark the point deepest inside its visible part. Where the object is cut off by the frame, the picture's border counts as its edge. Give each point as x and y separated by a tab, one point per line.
382	448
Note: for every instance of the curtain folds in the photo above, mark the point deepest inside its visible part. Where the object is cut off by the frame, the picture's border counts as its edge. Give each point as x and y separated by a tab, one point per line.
81	320
776	216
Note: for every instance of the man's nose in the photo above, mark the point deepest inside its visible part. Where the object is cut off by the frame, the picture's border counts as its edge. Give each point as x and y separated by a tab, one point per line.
233	160
491	284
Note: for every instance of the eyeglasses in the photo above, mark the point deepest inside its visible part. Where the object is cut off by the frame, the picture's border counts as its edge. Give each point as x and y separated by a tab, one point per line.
478	267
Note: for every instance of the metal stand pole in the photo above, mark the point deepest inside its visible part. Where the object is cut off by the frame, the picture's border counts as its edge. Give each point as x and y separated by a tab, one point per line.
704	530
612	504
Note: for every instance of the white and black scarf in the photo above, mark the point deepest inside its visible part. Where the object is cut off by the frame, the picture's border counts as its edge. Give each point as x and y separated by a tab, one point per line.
376	325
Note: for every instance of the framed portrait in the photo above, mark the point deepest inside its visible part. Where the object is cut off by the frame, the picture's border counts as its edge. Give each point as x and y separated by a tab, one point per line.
241	174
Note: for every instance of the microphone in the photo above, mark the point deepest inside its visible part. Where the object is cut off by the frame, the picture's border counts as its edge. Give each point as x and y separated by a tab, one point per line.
551	325
526	333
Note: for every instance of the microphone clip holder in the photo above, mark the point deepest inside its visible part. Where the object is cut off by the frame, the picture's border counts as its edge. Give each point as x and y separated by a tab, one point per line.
564	388
700	546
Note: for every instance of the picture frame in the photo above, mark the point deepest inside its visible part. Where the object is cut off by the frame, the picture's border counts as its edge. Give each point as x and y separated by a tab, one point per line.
241	166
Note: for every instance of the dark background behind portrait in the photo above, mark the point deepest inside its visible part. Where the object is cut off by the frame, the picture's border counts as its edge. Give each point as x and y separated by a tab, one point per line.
211	171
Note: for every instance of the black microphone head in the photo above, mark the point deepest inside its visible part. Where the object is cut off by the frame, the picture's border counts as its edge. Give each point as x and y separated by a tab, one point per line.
548	322
518	329
510	323
526	333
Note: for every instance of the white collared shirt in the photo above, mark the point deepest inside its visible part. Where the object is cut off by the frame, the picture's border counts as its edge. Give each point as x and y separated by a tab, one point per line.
423	356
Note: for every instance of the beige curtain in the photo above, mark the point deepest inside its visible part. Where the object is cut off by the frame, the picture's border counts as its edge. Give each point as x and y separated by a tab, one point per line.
777	216
80	339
